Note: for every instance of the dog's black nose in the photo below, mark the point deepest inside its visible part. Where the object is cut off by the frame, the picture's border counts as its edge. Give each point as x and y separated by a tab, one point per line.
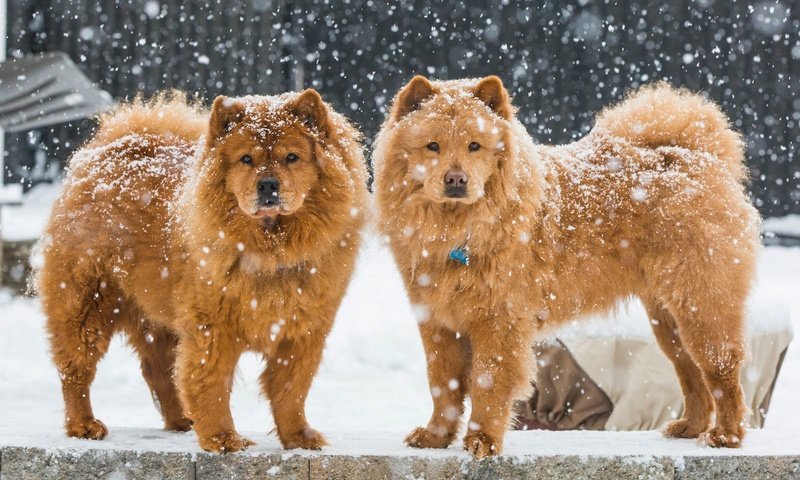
455	183
268	191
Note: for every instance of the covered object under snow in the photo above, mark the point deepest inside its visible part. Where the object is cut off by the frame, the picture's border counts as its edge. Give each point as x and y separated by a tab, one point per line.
610	374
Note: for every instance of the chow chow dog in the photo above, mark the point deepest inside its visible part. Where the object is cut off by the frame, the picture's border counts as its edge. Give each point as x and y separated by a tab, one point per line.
500	240
202	235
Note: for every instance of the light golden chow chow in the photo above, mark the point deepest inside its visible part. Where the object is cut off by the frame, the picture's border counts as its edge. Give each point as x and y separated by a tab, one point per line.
500	240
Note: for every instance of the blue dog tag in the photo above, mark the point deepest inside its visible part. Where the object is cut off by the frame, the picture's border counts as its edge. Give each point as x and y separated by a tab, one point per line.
460	255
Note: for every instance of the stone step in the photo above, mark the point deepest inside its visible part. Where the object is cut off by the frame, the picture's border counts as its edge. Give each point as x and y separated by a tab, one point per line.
585	455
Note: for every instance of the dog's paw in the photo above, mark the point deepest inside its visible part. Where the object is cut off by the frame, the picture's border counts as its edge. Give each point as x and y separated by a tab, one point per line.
308	439
719	438
92	429
682	428
225	442
424	438
179	425
481	445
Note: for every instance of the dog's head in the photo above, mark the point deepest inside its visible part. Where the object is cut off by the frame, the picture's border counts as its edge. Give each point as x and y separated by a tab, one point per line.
453	136
267	149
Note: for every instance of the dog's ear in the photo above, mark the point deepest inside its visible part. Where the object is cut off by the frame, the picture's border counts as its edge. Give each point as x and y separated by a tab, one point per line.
311	110
412	95
491	91
225	112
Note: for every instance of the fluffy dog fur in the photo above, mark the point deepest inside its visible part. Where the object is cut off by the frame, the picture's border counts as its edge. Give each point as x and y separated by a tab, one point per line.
649	204
160	234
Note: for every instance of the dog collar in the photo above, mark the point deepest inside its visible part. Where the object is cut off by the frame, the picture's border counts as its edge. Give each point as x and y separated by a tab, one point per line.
460	255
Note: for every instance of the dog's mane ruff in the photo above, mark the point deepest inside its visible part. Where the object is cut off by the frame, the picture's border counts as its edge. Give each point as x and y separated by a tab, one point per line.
325	221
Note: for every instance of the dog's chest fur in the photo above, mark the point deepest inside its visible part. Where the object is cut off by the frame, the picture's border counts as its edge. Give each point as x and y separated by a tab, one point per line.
265	306
491	285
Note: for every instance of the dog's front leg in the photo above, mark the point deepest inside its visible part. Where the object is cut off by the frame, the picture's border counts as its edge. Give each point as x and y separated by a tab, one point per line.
448	367
207	359
502	369
286	380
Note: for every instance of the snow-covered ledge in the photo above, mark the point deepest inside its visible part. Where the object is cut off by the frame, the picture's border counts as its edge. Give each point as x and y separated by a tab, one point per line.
153	454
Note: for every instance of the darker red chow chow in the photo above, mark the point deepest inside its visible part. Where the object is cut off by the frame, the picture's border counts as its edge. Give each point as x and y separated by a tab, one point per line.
201	249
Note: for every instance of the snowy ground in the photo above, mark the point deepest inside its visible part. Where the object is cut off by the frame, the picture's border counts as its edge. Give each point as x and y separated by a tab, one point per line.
371	389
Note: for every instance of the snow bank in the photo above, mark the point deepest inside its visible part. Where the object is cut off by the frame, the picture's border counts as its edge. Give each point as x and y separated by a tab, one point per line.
27	221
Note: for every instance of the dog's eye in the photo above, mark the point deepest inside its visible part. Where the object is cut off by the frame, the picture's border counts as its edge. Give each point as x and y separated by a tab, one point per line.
474	146
433	147
291	158
247	159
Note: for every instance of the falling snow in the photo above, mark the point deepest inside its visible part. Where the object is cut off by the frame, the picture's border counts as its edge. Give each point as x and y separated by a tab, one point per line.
562	61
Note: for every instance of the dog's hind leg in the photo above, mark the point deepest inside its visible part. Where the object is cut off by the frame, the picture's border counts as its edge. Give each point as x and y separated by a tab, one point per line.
708	306
714	337
704	286
697	402
448	372
157	349
80	322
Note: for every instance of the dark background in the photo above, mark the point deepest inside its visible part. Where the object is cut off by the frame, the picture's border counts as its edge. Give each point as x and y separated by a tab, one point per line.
562	61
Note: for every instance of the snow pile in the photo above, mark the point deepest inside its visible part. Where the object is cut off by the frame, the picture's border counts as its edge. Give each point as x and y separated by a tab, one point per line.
27	221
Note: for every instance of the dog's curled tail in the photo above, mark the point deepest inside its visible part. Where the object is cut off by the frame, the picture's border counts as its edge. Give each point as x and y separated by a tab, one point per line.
168	113
661	115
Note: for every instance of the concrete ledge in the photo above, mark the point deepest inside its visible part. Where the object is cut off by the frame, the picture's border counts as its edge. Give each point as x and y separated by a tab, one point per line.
247	466
32	463
533	467
149	454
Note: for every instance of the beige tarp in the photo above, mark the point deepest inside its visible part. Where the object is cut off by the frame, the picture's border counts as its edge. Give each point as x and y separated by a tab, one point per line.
610	373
